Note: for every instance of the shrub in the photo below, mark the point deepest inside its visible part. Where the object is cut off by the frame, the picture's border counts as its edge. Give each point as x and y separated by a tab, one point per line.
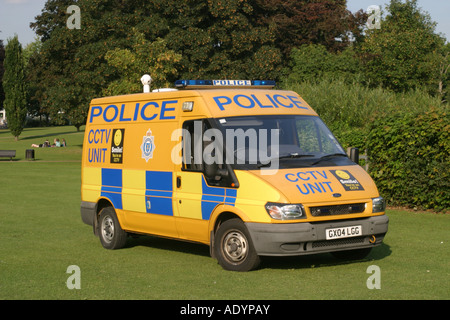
410	158
313	62
348	109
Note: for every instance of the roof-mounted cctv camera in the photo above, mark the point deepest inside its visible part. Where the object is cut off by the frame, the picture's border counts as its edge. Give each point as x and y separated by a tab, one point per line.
146	81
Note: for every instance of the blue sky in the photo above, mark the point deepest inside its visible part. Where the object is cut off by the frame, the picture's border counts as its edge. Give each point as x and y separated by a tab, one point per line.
16	15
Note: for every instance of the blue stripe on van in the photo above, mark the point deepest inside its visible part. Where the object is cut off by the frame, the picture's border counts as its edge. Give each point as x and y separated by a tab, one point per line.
112	186
212	196
159	192
230	196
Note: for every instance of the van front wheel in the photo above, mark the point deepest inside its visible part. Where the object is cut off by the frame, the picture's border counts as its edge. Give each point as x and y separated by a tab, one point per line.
111	234
234	248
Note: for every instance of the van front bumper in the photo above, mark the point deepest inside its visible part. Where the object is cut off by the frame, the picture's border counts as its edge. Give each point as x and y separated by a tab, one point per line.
291	239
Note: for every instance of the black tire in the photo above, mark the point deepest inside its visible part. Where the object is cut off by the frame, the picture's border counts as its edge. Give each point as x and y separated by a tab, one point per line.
109	230
233	247
356	254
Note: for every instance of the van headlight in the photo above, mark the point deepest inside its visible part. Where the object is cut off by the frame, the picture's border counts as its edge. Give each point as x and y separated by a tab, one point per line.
378	205
283	211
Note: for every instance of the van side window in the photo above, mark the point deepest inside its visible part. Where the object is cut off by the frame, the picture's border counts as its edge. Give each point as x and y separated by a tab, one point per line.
193	145
196	146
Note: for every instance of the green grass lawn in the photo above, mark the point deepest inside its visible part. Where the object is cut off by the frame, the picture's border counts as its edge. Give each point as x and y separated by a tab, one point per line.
41	235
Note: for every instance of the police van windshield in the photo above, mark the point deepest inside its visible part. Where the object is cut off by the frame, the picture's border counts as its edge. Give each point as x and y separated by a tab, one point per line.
287	141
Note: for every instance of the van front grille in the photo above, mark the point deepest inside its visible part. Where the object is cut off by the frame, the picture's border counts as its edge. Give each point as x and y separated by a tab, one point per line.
338	242
337	210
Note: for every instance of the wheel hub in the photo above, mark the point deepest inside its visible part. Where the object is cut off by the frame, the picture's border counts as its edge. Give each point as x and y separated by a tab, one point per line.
108	229
235	246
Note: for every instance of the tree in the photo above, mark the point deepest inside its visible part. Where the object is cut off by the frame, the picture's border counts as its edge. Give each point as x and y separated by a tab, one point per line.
71	62
218	39
314	62
15	87
404	53
302	22
143	57
443	77
30	54
2	71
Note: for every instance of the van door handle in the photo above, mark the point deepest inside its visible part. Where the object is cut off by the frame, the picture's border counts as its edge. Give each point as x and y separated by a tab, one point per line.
178	182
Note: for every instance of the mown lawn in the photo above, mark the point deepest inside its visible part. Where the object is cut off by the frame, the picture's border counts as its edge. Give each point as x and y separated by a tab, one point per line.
41	235
31	136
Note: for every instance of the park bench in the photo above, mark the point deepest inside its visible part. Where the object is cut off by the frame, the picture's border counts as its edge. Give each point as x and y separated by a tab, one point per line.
8	154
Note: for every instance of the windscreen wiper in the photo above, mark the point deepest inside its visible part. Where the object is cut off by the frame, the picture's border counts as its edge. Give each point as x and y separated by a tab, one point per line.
328	156
288	156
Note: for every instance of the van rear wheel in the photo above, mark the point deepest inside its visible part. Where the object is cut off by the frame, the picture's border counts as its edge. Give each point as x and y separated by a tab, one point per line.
234	248
111	234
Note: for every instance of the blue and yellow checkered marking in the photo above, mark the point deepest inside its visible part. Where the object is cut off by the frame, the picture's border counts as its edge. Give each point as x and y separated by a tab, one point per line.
159	192
212	196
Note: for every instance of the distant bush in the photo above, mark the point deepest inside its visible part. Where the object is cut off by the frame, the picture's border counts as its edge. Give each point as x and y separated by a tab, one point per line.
349	108
410	158
313	62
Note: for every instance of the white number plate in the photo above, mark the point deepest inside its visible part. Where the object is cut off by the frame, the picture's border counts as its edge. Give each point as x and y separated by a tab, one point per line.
344	232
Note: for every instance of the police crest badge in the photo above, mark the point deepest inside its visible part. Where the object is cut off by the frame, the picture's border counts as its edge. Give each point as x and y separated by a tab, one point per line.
148	145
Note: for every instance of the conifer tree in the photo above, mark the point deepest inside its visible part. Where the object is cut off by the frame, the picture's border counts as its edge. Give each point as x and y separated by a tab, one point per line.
2	71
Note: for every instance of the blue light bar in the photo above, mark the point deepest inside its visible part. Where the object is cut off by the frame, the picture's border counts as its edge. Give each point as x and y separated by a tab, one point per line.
214	84
190	83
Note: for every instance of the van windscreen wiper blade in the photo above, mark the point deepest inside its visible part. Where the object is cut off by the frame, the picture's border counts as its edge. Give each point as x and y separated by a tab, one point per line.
288	156
328	156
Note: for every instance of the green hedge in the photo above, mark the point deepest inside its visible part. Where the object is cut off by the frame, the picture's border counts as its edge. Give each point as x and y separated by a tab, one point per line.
410	158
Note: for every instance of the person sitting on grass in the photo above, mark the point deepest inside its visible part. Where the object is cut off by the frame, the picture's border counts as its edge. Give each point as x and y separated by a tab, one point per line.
56	143
63	143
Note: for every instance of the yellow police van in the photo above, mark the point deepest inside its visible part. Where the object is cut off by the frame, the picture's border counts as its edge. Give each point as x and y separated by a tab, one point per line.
234	164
